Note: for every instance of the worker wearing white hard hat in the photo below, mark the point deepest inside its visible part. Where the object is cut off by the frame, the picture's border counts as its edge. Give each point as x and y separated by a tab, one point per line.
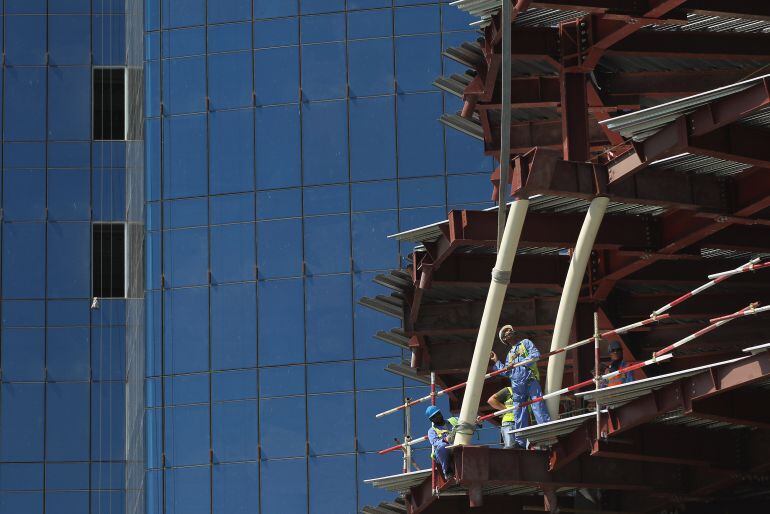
525	380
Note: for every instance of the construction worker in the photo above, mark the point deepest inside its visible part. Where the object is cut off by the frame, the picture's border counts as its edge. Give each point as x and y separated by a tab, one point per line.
441	435
525	381
503	399
616	363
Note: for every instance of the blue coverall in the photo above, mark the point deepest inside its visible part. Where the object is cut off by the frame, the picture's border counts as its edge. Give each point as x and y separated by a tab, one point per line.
525	385
620	379
440	451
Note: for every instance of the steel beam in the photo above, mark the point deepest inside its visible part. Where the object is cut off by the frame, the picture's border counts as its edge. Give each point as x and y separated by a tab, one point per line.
713	45
607	33
478	228
542	172
736	9
448	317
486	466
531	271
668	83
736	408
678	396
700	130
574	119
525	135
543	43
736	143
674	445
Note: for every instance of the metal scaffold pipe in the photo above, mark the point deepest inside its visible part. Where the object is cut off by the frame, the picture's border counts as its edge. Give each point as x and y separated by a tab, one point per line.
433	395
501	276
715	279
580	385
505	122
569	297
597	371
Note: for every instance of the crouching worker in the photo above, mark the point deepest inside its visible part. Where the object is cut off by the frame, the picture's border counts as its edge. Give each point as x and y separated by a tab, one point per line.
441	434
525	380
503	399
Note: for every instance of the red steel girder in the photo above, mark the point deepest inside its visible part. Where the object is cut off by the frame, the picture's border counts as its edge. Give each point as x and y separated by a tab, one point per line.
478	466
574	116
588	38
543	43
695	130
543	172
674	445
714	45
735	142
478	228
670	82
678	396
736	8
530	271
736	408
526	135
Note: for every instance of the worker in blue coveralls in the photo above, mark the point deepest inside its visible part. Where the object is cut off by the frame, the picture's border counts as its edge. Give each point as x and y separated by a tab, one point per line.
441	435
617	362
525	381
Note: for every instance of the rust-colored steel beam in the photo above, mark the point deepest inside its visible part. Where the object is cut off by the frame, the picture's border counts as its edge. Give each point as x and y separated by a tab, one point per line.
478	228
736	408
714	45
680	230
735	142
531	271
543	172
606	32
477	467
543	229
709	125
668	83
674	445
737	8
464	316
525	135
542	43
678	396
744	238
574	116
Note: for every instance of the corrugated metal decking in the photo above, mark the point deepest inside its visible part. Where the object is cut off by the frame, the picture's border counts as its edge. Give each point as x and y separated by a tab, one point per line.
642	124
621	394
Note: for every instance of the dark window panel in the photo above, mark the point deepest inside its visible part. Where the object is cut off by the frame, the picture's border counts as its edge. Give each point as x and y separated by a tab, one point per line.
108	249
109	104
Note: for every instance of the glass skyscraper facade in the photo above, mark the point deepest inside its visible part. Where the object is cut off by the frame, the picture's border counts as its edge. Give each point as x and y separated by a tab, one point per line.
283	141
63	364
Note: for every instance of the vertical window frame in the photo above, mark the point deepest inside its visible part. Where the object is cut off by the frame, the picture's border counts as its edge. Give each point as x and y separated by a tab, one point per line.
125	102
126	242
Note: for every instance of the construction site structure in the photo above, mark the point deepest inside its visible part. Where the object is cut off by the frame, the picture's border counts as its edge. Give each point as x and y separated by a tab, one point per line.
639	170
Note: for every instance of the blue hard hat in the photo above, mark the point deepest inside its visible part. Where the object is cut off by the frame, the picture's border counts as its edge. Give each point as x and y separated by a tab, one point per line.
431	411
614	346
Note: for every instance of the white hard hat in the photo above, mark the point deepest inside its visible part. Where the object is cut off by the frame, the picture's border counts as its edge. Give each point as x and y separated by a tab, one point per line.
503	330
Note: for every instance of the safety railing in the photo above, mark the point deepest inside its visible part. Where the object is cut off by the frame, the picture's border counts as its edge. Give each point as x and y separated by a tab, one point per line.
659	356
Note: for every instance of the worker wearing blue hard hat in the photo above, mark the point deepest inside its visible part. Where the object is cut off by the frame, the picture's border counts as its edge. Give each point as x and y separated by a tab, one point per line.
441	435
617	362
525	381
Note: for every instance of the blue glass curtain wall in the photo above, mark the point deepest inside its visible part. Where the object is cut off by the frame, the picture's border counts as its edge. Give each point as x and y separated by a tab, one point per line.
285	139
62	386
